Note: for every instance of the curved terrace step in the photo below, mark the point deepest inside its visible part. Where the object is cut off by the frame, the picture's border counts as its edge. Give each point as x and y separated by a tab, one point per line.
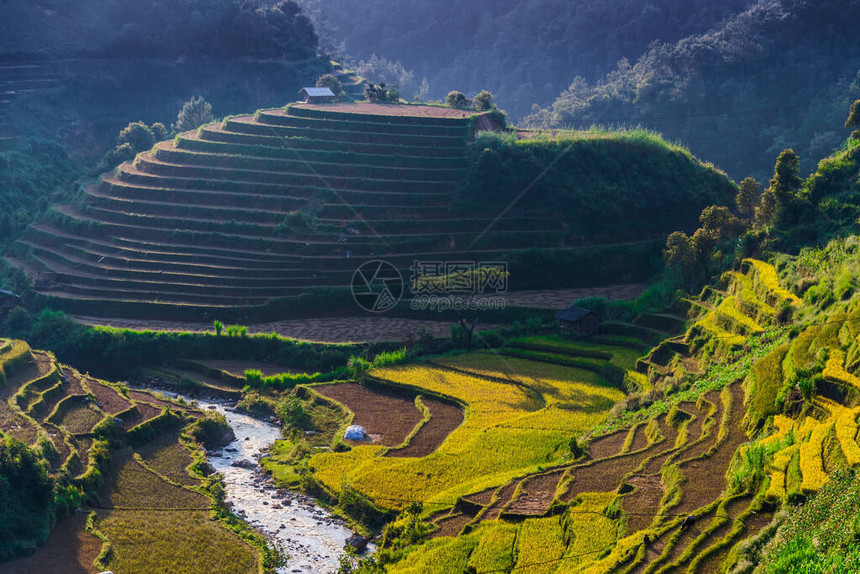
119	189
225	133
151	164
67	264
213	141
169	153
346	122
249	125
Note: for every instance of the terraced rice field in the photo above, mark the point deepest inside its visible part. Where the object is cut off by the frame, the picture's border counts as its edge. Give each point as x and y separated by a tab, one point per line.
660	495
148	509
213	221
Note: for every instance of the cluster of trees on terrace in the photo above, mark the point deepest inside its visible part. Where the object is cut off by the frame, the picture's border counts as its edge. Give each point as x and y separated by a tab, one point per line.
787	215
159	29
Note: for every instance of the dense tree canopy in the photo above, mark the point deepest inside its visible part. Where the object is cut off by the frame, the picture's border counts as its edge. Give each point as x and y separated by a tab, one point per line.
777	75
524	52
159	29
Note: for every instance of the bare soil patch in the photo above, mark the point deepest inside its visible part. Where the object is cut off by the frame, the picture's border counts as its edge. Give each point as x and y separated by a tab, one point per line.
389	418
688	536
536	494
32	370
607	445
359	329
712	562
412	111
57	439
145	412
606	474
70	549
654	465
482	498
444	418
705	478
704	446
654	550
73	380
150	399
640	438
504	496
110	400
642	504
451	525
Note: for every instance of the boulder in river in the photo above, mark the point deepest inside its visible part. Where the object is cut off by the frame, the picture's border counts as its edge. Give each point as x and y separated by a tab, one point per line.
358	542
243	463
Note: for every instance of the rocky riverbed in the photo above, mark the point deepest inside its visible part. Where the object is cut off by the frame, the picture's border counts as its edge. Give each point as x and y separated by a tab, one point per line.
311	537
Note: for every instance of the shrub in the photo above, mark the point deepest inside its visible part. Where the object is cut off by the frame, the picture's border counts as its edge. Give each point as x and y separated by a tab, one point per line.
456	100
254	377
25	497
358	368
291	411
484	101
378	93
194	113
211	430
331	82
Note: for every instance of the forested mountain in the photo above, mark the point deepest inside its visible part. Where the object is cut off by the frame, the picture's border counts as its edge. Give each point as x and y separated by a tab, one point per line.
524	52
157	28
777	75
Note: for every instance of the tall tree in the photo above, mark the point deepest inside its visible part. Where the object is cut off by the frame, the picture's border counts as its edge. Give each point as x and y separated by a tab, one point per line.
748	197
853	120
786	182
194	113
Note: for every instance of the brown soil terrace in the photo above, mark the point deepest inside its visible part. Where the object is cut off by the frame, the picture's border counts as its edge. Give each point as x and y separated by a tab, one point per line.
642	504
69	545
444	418
640	438
734	509
504	496
377	328
412	111
109	400
482	498
536	495
705	478
387	418
451	525
608	445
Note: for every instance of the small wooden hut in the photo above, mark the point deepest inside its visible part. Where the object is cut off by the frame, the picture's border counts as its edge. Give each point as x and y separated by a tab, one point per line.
576	320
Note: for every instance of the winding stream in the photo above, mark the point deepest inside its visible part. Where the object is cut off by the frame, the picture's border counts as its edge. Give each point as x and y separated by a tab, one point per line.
312	537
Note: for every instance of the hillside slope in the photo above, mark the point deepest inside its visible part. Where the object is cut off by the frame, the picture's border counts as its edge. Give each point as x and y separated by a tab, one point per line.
777	75
524	52
268	206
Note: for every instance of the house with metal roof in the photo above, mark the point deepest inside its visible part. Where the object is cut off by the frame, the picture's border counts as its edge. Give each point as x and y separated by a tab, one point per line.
317	95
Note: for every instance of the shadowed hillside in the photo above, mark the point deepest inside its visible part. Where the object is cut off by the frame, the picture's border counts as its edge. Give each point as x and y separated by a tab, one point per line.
263	207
